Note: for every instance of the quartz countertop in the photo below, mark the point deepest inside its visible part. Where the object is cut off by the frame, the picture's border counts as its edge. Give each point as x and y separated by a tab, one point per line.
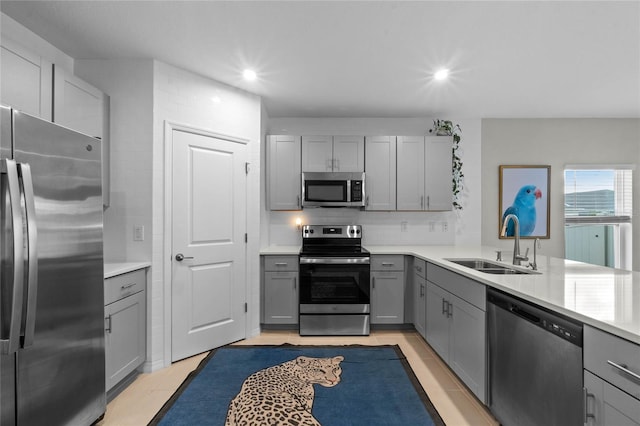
113	269
605	298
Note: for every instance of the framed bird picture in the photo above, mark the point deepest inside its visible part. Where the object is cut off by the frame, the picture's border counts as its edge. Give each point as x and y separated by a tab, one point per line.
524	193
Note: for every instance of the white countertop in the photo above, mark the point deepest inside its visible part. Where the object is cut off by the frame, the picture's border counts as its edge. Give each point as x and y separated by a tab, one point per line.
605	298
113	269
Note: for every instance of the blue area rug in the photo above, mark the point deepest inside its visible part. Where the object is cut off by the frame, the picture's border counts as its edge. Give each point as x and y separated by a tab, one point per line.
375	386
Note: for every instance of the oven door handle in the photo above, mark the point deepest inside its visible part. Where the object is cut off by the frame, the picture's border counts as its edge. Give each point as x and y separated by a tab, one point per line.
335	260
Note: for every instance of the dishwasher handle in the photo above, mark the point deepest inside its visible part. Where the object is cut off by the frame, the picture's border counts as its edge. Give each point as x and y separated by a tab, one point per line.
517	310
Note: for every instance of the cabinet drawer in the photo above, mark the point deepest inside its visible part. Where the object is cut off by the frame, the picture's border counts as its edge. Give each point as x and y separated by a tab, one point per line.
387	263
463	287
601	348
281	263
115	288
420	267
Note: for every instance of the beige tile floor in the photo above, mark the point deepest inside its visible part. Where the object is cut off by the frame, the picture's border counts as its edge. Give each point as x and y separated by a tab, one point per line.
137	404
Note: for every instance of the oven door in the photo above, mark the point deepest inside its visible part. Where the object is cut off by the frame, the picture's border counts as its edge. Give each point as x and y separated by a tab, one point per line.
334	285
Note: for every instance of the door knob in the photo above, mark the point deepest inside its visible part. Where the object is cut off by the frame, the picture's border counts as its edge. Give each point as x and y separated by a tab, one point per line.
180	257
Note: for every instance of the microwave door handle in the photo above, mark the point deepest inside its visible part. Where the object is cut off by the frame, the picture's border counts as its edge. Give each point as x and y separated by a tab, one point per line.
32	252
9	168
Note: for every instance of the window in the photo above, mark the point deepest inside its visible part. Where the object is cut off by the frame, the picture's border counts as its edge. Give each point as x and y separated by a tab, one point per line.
598	209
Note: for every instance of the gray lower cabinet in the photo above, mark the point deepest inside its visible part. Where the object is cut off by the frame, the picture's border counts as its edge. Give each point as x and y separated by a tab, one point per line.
125	325
456	325
280	290
387	289
420	296
611	383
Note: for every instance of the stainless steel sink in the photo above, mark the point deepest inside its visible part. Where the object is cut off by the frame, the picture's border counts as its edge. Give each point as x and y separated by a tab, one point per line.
488	267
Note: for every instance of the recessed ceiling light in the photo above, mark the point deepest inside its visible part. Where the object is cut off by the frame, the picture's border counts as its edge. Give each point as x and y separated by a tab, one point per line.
249	75
441	74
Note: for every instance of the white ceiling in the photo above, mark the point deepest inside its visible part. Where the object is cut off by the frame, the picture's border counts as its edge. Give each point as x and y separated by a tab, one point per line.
375	58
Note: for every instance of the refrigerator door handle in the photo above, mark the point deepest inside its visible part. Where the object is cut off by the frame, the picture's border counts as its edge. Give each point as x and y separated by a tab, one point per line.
32	252
12	342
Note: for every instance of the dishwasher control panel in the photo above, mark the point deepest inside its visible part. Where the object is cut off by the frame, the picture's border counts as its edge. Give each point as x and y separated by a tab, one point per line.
566	333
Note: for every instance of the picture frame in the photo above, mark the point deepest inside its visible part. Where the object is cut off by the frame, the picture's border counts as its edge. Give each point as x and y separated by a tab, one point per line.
525	191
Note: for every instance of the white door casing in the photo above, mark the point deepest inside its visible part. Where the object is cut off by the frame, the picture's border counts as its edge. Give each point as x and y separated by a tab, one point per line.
208	226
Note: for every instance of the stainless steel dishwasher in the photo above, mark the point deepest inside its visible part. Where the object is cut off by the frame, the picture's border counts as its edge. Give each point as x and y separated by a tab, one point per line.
535	364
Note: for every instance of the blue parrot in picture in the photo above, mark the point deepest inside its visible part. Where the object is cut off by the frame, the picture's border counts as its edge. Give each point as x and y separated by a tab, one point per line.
524	207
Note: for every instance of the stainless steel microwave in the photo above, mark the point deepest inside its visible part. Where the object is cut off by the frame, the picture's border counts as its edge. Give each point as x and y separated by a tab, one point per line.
340	189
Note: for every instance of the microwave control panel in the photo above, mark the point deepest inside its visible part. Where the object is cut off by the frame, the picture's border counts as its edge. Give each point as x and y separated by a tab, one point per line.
356	190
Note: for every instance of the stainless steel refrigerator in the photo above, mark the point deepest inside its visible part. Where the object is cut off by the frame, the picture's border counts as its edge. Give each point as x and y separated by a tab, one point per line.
52	362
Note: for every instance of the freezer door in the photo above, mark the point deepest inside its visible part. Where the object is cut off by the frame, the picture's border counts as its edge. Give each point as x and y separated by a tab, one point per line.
61	375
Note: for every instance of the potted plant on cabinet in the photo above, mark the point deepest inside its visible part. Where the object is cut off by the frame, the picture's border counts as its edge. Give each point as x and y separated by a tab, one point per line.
447	128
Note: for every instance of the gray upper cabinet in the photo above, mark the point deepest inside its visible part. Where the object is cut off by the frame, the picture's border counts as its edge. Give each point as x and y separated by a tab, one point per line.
333	153
26	82
424	173
83	108
380	167
78	105
283	172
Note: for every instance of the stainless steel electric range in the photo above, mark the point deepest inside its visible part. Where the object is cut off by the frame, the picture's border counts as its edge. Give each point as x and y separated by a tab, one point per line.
334	281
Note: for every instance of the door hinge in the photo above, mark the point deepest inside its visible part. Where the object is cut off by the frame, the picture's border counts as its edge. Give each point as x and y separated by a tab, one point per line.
246	168
246	238
246	307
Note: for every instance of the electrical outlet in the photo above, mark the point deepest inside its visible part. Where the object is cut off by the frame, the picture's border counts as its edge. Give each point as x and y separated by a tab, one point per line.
138	233
403	226
445	226
432	226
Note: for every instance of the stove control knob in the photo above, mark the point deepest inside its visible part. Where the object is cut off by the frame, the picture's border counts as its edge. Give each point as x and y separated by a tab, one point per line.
306	231
358	231
311	231
352	231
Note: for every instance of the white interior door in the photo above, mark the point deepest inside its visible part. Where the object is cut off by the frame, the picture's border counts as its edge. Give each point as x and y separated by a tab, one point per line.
208	230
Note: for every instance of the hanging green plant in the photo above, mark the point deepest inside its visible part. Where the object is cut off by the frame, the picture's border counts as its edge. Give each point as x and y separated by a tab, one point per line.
447	128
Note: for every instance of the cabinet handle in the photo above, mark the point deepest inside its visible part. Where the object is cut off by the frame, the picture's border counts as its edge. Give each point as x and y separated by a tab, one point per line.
422	201
421	290
419	268
428	202
128	286
330	164
585	401
108	327
625	369
449	310
373	282
295	283
281	263
337	165
388	263
444	307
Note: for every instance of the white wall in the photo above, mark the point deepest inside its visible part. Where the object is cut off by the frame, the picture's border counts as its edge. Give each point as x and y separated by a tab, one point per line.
182	97
555	142
384	228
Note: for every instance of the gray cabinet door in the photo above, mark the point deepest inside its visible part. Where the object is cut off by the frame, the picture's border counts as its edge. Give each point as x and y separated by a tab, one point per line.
387	297
419	304
280	297
608	405
467	353
284	182
380	163
125	344
437	321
